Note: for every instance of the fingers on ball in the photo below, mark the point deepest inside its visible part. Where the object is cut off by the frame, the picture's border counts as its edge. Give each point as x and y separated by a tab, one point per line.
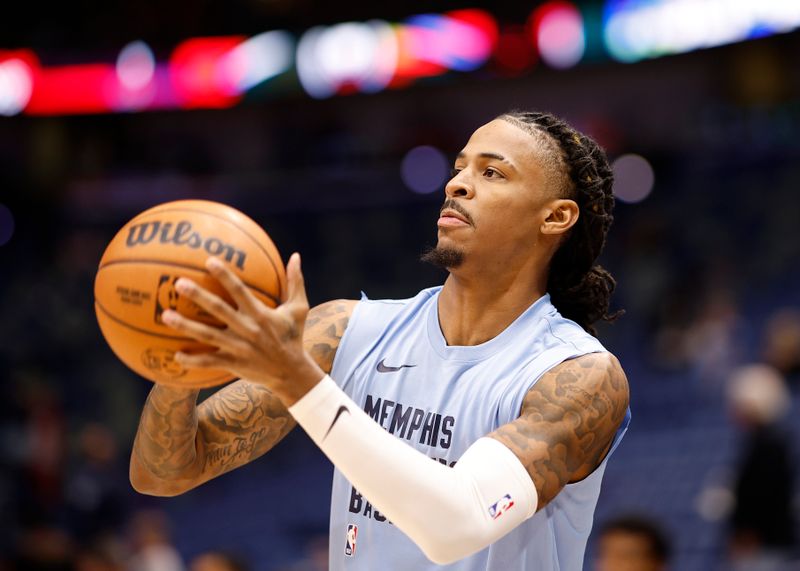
232	283
209	301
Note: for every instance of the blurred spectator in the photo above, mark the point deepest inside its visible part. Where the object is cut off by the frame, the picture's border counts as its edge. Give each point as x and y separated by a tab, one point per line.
632	543
95	492
762	523
45	439
44	548
152	548
711	342
107	554
782	342
316	555
702	335
218	561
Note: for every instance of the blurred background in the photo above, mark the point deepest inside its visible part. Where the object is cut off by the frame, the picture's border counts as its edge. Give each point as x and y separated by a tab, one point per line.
334	125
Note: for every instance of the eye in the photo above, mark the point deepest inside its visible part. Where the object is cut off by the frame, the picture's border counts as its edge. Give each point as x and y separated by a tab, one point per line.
492	173
454	172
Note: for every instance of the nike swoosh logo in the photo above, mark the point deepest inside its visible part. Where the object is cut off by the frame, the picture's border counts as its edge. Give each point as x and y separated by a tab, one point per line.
335	418
387	369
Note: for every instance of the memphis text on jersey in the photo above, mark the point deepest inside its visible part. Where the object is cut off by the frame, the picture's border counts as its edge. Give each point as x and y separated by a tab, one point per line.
409	423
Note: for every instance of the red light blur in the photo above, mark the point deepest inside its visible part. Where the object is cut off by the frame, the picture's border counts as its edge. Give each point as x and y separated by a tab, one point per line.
72	89
552	30
410	64
479	19
27	56
198	75
514	54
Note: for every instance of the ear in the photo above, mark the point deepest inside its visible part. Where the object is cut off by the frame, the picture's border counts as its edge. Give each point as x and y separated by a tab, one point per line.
560	215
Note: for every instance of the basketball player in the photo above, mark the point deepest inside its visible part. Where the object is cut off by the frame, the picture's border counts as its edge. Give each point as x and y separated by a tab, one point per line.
495	375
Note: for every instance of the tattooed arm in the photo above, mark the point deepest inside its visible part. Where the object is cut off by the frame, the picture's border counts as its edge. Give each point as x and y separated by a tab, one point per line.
179	444
568	421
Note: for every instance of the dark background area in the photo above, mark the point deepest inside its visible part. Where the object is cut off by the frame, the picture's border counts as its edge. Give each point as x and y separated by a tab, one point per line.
705	265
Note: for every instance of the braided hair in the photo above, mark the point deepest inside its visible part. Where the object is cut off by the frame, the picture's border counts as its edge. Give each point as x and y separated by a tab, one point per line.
580	289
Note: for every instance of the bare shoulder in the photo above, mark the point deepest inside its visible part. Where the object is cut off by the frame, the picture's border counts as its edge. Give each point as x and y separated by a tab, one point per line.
324	329
568	421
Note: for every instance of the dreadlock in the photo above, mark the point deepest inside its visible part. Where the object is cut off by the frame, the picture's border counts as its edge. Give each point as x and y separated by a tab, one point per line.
580	289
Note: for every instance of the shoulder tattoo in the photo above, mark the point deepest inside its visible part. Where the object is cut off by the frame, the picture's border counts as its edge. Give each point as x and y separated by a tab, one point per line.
568	421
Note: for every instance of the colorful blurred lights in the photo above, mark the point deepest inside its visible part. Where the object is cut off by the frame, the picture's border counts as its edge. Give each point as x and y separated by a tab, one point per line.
558	33
256	60
349	55
216	72
199	75
371	56
424	169
633	178
16	86
461	40
639	29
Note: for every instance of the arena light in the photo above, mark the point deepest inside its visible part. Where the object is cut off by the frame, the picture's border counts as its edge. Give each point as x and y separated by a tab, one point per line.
16	86
558	33
352	56
639	29
424	169
135	87
370	56
72	89
136	66
633	178
199	74
461	40
257	60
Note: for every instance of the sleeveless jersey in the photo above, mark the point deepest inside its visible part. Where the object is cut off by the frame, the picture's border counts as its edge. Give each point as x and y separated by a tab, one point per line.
394	362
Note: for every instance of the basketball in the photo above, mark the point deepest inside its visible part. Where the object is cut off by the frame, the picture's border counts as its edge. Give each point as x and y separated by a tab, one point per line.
136	278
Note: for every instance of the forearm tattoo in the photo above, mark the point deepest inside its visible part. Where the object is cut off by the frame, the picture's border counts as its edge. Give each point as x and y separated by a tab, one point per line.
568	421
180	440
238	424
165	441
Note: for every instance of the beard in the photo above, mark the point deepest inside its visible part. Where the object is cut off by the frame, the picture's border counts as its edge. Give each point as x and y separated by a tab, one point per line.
443	258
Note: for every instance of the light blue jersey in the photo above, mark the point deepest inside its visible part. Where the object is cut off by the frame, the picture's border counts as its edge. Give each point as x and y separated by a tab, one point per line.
394	362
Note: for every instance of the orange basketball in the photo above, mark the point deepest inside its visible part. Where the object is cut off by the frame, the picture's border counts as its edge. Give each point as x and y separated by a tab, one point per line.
136	282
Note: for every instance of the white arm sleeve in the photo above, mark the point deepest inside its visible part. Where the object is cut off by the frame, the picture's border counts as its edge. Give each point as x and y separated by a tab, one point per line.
448	512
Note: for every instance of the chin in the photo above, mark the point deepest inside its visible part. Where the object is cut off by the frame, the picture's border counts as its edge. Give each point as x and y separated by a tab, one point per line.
443	256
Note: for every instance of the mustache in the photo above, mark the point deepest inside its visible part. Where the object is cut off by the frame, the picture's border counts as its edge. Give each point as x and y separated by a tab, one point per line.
453	205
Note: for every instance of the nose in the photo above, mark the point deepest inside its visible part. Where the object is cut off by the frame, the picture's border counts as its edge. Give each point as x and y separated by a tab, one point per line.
459	187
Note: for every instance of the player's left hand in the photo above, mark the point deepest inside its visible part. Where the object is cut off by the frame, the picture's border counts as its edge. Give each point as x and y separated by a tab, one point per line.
259	343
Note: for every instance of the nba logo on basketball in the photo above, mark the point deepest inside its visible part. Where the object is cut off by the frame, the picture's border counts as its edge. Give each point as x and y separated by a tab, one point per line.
350	544
501	506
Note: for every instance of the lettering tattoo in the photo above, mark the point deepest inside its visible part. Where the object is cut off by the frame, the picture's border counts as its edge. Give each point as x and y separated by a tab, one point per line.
183	444
244	420
568	421
238	424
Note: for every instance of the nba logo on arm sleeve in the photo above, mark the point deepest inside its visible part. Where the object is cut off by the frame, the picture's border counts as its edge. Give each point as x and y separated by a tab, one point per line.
350	543
501	506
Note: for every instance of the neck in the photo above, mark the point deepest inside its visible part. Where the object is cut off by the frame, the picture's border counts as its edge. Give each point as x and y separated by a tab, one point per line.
475	309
